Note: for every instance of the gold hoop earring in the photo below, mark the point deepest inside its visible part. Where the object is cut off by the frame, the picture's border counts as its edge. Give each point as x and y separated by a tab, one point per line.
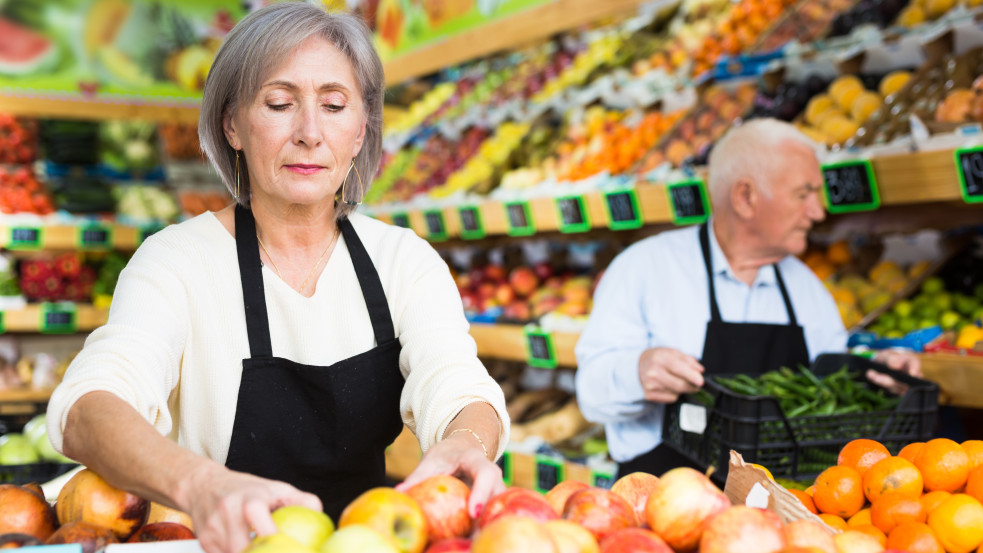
236	194
361	187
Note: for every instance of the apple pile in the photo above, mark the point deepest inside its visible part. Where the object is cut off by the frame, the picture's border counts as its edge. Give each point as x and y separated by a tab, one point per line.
525	292
89	512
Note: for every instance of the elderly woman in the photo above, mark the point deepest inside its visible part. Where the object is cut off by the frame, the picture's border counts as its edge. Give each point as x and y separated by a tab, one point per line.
268	353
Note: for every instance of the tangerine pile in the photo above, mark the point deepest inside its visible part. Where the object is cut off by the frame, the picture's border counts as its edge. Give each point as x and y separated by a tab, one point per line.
926	499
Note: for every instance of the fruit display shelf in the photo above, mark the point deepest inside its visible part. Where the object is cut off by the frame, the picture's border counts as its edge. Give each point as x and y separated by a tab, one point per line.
509	342
61	319
96	110
33	236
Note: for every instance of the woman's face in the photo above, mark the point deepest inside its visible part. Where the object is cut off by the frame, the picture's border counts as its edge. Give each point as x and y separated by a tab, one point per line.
301	131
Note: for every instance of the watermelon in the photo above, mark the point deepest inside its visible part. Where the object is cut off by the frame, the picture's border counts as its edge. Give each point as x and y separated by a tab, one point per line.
22	50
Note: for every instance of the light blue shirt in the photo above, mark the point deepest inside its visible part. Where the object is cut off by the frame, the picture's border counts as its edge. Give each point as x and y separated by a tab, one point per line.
655	294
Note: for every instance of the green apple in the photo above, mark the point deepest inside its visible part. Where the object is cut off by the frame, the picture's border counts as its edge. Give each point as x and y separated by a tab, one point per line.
907	324
888	321
903	308
15	449
307	526
277	543
933	285
358	538
949	320
927	323
35	427
894	334
942	301
47	451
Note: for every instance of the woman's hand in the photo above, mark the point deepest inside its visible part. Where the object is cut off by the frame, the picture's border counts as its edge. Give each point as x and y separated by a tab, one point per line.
227	506
900	361
461	455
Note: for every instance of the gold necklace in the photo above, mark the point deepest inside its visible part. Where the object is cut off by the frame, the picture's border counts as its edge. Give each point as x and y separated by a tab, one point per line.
316	263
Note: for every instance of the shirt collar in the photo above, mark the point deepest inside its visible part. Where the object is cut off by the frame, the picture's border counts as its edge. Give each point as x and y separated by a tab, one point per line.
721	266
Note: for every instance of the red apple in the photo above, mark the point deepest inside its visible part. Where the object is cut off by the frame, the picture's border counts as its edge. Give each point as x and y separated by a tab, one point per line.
743	529
599	511
634	540
519	502
494	273
486	290
553	283
162	531
504	294
635	489
513	534
444	500
543	270
557	497
450	545
679	505
518	310
524	281
570	537
395	515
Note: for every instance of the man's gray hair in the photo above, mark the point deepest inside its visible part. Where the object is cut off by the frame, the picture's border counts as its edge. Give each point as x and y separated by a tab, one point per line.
254	49
751	151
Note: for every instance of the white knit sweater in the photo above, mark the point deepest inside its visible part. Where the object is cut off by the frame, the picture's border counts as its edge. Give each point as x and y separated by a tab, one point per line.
176	336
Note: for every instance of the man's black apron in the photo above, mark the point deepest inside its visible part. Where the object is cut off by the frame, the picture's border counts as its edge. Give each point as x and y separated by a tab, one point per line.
322	429
735	348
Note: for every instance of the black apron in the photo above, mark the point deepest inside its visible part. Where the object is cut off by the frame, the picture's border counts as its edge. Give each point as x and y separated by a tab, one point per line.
324	430
735	348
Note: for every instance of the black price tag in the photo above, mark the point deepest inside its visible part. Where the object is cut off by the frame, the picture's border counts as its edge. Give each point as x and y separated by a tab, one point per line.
602	480
401	220
540	352
505	463
57	318
472	228
623	211
436	229
850	186
25	238
573	214
519	217
688	200
549	473
969	165
95	237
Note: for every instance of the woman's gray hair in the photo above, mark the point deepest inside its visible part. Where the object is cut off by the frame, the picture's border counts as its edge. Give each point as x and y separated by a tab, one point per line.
254	49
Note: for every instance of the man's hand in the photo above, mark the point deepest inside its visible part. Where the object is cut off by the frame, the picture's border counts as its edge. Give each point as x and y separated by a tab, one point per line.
900	361
666	373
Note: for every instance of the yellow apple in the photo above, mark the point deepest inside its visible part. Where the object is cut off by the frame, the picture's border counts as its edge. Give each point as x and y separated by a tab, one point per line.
307	526
395	515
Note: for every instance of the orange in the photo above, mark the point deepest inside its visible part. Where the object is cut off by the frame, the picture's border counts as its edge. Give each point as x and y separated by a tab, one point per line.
862	517
839	491
974	484
806	500
931	500
838	253
958	523
893	474
974	448
914	537
911	450
811	490
892	509
944	465
872	531
834	521
862	454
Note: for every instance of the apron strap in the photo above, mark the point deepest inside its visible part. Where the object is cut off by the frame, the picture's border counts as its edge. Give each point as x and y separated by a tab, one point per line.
368	280
705	247
792	321
253	293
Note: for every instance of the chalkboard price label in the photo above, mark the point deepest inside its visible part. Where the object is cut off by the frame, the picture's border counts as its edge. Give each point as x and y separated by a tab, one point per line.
25	238
147	232
602	480
58	318
540	352
549	473
688	200
519	217
401	220
95	237
505	463
969	165
572	214
436	229
850	186
623	211
472	228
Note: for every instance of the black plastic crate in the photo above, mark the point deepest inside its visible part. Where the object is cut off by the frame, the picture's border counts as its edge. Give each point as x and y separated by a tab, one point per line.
802	447
34	472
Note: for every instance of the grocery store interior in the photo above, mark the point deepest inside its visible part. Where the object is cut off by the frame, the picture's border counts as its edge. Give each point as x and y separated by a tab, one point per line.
530	142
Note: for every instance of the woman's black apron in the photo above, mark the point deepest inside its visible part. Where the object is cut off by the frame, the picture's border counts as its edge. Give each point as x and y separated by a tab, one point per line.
734	348
322	429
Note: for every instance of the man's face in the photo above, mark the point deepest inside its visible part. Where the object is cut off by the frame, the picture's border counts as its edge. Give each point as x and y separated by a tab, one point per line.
794	204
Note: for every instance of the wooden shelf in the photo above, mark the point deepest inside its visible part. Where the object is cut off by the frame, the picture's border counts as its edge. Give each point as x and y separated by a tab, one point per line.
508	342
96	110
66	237
28	319
960	378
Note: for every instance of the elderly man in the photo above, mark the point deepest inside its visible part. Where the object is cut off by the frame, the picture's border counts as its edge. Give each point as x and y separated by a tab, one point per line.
725	297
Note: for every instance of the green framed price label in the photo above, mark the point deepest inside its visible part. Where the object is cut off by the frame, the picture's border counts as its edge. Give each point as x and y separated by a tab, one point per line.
505	463
472	226
58	318
3	322
688	202
969	166
25	238
572	214
602	480
436	227
147	231
518	216
401	220
548	473
95	237
623	209
540	351
850	186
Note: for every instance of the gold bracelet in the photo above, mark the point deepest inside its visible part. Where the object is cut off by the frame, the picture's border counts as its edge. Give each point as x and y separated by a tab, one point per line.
476	436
